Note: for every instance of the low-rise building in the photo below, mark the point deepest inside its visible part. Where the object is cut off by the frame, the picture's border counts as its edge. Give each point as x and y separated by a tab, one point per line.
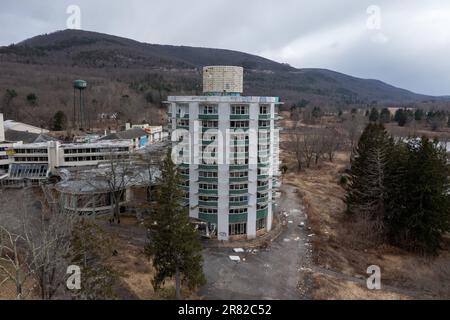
33	157
138	137
36	161
4	156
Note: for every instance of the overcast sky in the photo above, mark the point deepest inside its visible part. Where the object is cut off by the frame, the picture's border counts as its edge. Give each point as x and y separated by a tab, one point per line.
404	43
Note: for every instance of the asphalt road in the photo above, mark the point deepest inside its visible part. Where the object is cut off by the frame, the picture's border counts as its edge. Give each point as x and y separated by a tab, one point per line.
281	272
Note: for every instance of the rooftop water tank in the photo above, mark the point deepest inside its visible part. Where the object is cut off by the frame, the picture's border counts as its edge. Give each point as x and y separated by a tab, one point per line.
223	80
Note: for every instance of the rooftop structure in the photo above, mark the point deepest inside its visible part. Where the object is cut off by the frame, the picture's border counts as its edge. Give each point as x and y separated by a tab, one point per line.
27	137
139	137
19	126
223	80
87	191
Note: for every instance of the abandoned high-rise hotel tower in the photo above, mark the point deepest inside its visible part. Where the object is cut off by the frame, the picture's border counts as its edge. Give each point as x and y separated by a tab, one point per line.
227	147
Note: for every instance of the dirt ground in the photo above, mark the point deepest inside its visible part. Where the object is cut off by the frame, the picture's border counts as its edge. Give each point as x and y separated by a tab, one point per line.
341	255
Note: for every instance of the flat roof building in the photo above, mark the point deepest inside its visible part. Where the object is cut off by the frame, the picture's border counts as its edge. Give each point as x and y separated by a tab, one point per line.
227	149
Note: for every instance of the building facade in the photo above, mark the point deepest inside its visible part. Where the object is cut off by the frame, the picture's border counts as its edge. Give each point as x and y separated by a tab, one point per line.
36	161
226	146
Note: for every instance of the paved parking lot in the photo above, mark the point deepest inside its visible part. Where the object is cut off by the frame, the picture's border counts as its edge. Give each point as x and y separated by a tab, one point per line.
276	273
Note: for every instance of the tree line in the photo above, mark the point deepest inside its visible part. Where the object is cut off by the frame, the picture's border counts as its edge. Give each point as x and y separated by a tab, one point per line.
399	190
436	119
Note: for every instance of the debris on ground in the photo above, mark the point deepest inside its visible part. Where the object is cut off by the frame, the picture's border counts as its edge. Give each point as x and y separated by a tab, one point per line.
235	258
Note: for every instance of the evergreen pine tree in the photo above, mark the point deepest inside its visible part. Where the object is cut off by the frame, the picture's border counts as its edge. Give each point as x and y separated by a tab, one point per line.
385	116
92	247
374	115
418	203
173	241
367	191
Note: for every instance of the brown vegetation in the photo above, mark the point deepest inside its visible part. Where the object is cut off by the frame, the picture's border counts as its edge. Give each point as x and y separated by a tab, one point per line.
342	254
134	267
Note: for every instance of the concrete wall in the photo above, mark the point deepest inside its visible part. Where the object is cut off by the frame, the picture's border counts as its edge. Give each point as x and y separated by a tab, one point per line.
2	128
194	152
253	170
223	174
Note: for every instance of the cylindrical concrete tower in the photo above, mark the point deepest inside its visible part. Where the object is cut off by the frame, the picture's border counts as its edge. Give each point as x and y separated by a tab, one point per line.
223	80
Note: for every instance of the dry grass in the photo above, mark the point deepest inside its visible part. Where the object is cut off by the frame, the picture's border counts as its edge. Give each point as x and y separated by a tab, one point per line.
136	272
326	287
339	247
8	289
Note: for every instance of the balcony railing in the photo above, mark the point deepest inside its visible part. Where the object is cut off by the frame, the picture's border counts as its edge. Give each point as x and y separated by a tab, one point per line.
239	117
208	203
236	218
238	179
207	192
208	217
208	116
241	191
238	203
262	213
207	179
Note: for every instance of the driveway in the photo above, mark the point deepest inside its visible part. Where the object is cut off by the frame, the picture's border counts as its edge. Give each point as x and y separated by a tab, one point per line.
280	272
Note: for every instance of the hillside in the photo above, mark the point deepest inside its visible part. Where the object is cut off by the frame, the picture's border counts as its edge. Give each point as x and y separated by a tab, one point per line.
131	78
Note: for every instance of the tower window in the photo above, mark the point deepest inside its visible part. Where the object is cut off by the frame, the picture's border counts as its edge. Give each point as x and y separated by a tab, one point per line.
239	110
237	229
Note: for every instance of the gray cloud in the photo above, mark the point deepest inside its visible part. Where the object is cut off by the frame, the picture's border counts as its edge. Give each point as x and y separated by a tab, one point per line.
410	50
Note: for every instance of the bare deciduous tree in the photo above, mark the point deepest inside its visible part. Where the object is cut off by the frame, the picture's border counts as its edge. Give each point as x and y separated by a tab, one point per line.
119	173
39	251
331	142
354	125
14	262
49	245
307	144
294	144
